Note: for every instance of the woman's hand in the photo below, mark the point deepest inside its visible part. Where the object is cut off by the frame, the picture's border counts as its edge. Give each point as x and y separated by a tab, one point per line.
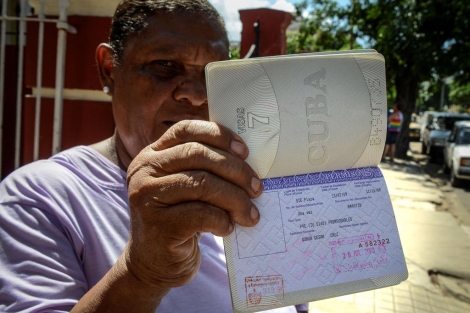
192	180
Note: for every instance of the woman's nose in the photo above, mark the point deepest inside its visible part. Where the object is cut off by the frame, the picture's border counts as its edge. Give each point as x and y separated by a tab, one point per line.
192	89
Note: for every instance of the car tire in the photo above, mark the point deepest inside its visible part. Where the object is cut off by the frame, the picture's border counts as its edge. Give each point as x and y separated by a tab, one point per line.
432	155
435	155
423	148
454	181
446	168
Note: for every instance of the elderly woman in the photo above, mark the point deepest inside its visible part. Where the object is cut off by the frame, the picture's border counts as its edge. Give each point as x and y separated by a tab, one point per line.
75	236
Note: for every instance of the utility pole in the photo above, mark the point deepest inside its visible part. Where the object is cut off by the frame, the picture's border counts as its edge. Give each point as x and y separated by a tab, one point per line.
443	89
351	28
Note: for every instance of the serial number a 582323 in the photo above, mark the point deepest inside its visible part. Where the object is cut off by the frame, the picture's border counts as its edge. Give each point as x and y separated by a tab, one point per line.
372	243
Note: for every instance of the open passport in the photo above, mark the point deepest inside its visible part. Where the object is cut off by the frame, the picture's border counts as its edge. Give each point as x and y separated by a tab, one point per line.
315	125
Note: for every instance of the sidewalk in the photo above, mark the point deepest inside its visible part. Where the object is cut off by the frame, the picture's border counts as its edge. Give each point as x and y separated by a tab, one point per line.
431	239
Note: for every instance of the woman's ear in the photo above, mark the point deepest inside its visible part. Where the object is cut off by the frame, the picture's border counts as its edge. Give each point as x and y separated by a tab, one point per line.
105	62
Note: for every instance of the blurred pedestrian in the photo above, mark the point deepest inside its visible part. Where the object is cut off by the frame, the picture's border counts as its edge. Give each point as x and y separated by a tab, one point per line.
395	120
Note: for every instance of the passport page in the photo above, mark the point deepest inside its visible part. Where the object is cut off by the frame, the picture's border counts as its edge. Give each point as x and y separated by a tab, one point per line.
315	125
320	235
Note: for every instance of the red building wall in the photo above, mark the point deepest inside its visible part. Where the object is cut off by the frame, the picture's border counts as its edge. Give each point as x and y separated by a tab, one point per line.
273	25
84	122
9	109
80	69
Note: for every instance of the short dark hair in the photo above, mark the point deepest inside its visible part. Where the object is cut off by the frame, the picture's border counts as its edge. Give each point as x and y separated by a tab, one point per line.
131	15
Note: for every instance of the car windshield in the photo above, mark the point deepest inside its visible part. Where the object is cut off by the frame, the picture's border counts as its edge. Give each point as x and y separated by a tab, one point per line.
428	120
464	136
447	123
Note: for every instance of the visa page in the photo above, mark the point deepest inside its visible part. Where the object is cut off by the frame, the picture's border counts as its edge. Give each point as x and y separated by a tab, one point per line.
317	230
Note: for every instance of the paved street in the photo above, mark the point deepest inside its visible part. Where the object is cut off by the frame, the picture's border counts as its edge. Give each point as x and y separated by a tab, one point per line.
434	230
458	199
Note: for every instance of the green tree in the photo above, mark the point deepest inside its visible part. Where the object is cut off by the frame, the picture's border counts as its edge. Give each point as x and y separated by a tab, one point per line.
459	95
234	53
419	39
323	29
429	96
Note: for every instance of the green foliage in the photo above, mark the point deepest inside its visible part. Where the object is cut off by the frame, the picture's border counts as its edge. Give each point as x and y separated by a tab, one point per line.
425	40
421	40
429	96
460	95
292	43
323	29
234	53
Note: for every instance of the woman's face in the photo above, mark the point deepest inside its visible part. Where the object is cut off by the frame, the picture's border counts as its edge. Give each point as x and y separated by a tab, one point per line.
160	79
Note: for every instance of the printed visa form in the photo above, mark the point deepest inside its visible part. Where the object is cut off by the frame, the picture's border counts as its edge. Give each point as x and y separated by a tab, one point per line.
315	125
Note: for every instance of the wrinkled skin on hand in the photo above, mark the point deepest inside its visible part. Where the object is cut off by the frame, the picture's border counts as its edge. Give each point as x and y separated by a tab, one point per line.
192	180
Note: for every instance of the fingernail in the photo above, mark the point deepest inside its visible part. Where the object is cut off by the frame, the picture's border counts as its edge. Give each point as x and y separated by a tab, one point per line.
254	213
238	147
255	184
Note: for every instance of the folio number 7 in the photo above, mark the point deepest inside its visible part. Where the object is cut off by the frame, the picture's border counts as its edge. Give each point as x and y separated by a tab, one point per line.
252	118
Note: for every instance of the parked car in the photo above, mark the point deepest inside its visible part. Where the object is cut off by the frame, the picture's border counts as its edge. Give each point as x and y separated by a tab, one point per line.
457	153
435	135
415	129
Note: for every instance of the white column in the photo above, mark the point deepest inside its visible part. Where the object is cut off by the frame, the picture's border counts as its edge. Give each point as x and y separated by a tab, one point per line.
60	74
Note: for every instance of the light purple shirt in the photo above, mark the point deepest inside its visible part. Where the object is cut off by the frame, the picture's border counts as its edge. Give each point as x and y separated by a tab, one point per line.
63	224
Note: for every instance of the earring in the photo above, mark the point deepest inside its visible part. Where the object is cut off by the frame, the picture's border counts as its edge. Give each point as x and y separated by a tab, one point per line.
106	89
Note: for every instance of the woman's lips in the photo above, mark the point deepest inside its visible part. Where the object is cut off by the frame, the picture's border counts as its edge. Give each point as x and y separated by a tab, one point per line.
169	123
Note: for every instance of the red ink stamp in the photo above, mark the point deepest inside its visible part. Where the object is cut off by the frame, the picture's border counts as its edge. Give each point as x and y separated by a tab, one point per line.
260	290
359	253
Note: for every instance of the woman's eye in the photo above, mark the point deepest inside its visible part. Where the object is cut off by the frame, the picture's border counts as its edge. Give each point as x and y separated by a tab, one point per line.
164	63
163	68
